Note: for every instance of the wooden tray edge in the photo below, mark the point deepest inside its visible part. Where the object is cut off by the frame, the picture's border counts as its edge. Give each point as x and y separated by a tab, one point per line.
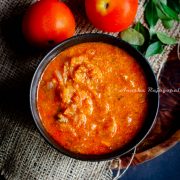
157	150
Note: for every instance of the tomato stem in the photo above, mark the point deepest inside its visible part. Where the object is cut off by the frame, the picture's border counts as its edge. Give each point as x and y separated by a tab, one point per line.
107	5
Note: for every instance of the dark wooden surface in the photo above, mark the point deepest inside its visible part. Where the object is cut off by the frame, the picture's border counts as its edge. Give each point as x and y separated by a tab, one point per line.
164	167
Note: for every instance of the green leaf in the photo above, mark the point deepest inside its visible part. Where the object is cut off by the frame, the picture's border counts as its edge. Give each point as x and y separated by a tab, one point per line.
164	1
161	14
168	24
168	11
164	38
154	48
132	36
151	14
174	4
144	31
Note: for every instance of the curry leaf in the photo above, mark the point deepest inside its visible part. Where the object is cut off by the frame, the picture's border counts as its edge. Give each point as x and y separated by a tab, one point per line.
154	48
167	10
161	14
151	14
144	31
132	36
164	1
174	4
168	24
164	38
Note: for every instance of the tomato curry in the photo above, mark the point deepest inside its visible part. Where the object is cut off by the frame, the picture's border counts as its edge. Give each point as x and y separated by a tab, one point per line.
92	98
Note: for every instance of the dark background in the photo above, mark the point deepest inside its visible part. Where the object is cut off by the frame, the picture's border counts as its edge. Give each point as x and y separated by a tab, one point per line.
163	167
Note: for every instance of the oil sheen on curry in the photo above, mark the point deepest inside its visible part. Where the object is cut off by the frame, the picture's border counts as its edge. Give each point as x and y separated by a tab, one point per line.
92	98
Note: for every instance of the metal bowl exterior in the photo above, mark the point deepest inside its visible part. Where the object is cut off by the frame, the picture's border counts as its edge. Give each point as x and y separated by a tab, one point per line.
153	97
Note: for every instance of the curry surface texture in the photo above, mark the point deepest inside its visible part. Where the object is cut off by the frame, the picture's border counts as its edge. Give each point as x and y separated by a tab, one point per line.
92	98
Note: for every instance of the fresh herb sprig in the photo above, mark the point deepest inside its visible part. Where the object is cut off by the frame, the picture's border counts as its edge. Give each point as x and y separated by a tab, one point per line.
147	40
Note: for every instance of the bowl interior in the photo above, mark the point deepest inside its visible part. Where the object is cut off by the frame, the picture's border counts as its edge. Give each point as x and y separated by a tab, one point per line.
153	97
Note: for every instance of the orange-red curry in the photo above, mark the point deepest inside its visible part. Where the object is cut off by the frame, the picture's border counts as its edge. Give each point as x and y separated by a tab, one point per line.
92	98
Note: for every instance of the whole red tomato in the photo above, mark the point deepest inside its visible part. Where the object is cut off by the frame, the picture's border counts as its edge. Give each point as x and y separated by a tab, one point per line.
111	15
48	22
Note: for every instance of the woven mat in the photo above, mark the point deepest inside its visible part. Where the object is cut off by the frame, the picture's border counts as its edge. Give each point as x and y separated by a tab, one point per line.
24	155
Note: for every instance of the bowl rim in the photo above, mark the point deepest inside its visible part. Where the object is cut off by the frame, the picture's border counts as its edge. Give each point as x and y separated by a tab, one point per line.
33	96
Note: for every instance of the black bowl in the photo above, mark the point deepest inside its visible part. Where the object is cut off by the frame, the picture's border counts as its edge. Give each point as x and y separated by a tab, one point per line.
153	97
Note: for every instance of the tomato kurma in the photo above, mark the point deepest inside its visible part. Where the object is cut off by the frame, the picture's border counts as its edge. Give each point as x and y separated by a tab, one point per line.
92	98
